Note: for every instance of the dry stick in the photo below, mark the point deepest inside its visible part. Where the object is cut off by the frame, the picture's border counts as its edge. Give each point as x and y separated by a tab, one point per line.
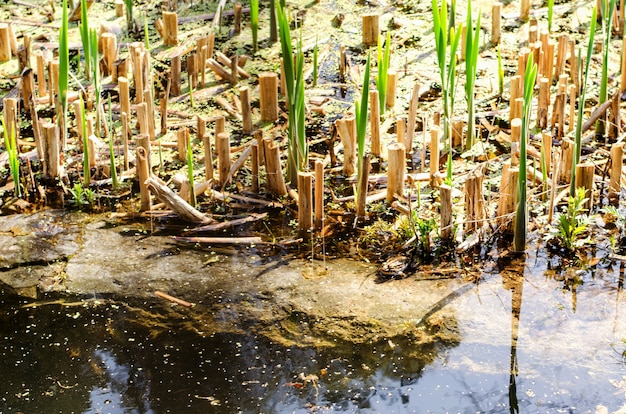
496	13
435	136
573	65
544	103
172	298
349	146
234	73
474	201
623	78
51	150
457	132
239	163
254	186
182	138
228	224
147	98
514	93
258	136
220	240
546	144
42	86
614	118
203	57
375	123
170	28
237	18
143	172
305	201
617	160
268	84
223	157
506	188
412	115
192	73
401	133
28	87
561	55
175	203
120	68
370	29
524	10
392	84
363	181
319	194
109	50
275	180
218	69
246	111
558	115
23	54
445	195
5	43
597	113
11	119
175	70
584	179
226	61
396	170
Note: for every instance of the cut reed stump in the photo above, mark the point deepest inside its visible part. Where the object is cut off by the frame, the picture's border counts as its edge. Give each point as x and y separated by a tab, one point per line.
319	194
361	196
584	179
268	93
474	201
143	172
348	139
375	123
617	158
275	182
174	202
223	157
51	150
496	13
435	134
396	170
305	202
445	196
170	28
370	29
5	44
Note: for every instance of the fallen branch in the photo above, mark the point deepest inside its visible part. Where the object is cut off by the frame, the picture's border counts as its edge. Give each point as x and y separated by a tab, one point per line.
174	202
172	299
219	240
226	224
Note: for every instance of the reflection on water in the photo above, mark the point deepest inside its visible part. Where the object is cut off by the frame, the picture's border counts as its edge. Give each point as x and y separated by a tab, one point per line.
544	353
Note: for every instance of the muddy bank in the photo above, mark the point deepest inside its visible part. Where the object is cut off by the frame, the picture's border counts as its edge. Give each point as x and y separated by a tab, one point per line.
292	301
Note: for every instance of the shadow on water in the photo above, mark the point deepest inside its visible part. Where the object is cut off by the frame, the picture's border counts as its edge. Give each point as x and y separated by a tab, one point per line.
520	343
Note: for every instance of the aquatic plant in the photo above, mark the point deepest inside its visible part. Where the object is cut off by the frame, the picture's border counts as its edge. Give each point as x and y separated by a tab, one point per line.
472	46
315	63
581	103
521	214
82	196
550	14
10	145
84	36
607	21
384	57
254	23
297	151
93	49
64	68
113	167
360	110
129	14
86	169
500	73
572	222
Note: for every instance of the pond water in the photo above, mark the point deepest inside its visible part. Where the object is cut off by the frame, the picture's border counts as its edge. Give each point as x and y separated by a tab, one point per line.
530	339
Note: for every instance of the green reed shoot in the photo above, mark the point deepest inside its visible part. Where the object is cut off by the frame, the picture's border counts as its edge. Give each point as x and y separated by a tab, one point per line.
129	14
114	182
472	46
146	37
254	23
445	37
581	103
83	120
64	68
84	36
607	21
550	14
298	151
521	214
93	49
10	144
360	110
192	189
384	57
315	63
572	221
500	73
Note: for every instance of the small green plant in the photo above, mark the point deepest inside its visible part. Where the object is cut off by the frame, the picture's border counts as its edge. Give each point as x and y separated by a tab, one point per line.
82	197
424	228
298	151
521	214
581	104
384	58
572	222
254	23
10	145
472	46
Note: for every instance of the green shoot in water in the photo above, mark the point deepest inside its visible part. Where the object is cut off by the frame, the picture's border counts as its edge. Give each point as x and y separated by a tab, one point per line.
572	221
10	144
93	48
86	169
360	110
315	63
254	23
146	36
84	36
129	14
550	14
471	63
64	67
521	215
383	68
192	189
500	73
607	21
114	182
581	104
298	151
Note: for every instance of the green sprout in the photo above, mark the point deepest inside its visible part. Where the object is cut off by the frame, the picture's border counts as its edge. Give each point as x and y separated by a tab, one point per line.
471	64
84	37
572	223
361	121
607	21
384	58
521	215
500	74
550	14
315	63
129	14
64	68
10	144
86	169
254	23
